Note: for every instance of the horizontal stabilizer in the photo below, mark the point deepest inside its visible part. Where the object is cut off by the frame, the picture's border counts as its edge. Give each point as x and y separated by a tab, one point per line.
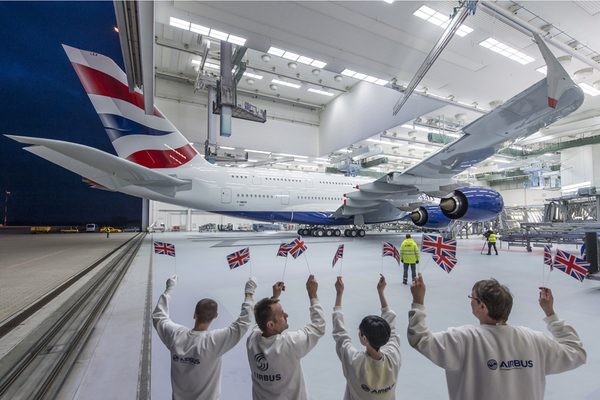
103	168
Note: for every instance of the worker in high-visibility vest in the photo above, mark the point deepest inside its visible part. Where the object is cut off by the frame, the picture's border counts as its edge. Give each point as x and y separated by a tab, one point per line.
409	255
491	238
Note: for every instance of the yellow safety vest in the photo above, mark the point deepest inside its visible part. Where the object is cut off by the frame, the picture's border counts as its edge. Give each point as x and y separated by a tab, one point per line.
409	252
492	238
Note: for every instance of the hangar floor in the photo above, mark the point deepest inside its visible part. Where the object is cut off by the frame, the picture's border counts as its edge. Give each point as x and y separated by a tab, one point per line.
110	365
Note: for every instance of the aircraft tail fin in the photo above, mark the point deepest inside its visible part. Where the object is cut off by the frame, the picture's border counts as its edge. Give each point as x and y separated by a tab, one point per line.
148	140
557	77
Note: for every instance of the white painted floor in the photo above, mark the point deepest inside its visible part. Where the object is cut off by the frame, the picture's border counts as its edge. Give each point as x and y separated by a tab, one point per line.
204	272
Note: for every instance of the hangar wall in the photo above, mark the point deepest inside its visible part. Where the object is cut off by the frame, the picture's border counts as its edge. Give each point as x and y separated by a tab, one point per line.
294	130
580	164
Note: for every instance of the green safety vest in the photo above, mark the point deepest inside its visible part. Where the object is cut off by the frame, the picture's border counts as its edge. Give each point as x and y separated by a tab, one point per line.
409	252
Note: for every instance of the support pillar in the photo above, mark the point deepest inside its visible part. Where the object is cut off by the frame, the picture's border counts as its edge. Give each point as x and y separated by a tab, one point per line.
145	214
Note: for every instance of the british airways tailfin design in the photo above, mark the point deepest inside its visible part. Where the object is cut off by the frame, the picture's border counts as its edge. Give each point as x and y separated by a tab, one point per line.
156	162
148	140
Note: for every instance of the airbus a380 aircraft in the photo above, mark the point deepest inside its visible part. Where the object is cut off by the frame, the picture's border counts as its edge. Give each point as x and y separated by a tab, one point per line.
156	162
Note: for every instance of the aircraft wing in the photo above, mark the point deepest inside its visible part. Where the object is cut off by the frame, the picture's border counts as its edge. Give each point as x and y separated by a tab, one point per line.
102	168
542	104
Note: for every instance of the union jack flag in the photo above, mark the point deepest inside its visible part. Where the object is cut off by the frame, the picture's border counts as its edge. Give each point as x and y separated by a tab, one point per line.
238	258
548	257
389	250
440	246
283	250
447	263
297	247
167	249
338	254
571	264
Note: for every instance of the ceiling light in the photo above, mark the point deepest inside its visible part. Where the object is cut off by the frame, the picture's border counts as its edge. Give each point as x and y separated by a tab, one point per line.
236	40
543	70
179	23
360	76
583	73
370	79
597	84
506	51
227	148
273	86
348	72
198	62
565	60
318	64
338	78
276	52
257	151
200	29
316	72
320	92
251	75
592	91
292	65
291	56
381	82
440	20
266	58
218	34
211	65
283	83
305	60
250	81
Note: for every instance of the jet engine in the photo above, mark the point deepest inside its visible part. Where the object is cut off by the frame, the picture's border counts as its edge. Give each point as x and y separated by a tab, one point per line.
430	217
472	204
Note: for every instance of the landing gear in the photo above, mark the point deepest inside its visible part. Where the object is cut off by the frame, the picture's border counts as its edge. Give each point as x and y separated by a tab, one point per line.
354	232
319	232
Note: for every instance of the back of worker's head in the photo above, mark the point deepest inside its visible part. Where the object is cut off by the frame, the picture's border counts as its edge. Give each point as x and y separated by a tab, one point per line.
497	298
263	312
408	235
376	330
206	310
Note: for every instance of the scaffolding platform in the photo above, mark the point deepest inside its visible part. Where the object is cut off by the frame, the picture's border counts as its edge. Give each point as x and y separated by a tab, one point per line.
247	112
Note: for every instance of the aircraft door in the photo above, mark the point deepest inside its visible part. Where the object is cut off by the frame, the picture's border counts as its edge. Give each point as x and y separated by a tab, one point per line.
309	183
285	197
255	179
225	196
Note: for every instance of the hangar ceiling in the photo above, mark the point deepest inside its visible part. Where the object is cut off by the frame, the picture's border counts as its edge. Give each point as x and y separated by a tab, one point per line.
388	42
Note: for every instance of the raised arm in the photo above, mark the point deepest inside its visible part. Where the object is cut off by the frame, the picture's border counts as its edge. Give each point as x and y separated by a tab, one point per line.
160	317
339	290
380	289
278	287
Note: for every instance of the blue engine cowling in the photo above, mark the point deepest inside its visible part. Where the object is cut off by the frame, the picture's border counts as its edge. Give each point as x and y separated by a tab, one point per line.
430	217
472	204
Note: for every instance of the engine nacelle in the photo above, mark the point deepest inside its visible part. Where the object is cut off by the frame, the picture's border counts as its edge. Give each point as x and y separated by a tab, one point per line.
473	204
430	217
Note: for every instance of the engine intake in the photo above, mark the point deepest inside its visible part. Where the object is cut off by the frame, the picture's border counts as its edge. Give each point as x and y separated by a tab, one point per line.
473	204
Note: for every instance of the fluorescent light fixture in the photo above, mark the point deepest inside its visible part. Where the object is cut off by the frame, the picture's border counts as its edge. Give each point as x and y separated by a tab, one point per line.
592	91
348	72
440	20
227	148
320	92
179	23
419	128
257	151
381	82
251	75
322	159
318	64
218	34
515	147
291	155
200	29
370	79
276	52
389	1
543	70
197	62
377	141
283	83
211	65
236	40
305	60
291	56
506	51
360	76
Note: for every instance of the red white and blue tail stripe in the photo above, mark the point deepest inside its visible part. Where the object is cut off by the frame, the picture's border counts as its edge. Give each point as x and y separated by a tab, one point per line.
148	140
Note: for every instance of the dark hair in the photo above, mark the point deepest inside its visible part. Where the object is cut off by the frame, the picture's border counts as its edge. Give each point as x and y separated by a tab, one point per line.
263	312
376	330
206	309
496	297
408	235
